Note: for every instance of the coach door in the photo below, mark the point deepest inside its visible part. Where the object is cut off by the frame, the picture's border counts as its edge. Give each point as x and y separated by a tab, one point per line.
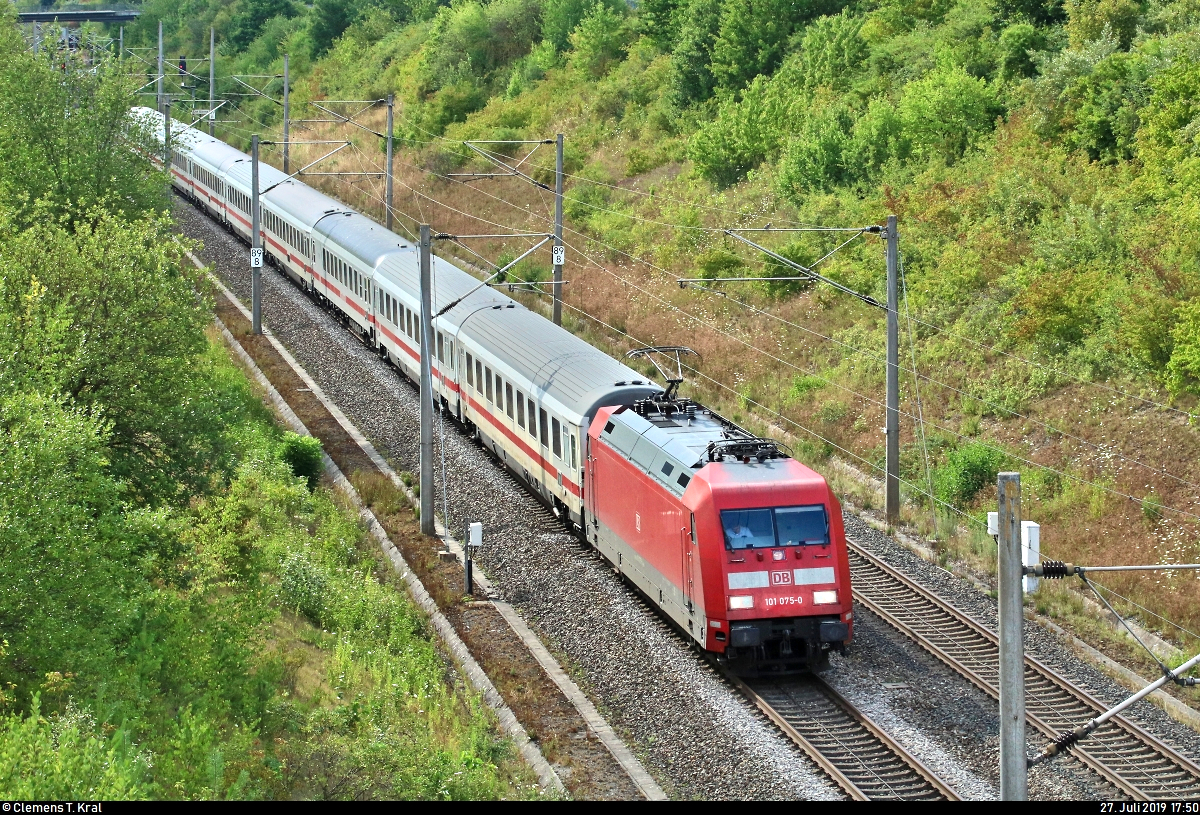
687	545
589	489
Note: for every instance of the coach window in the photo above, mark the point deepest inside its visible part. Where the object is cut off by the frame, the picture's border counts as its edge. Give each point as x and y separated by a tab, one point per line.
532	423
542	421
487	379
479	376
508	399
572	435
470	370
440	347
557	437
520	410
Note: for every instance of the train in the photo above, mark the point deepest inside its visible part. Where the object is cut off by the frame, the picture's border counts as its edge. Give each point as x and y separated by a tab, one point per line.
735	542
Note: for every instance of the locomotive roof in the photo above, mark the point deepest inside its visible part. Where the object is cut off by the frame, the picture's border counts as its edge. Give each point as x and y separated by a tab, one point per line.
652	444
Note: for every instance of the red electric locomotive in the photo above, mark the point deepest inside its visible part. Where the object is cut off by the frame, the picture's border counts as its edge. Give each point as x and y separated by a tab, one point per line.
740	544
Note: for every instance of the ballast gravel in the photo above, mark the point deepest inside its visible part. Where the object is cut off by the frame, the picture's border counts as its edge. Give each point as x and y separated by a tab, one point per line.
697	735
1040	642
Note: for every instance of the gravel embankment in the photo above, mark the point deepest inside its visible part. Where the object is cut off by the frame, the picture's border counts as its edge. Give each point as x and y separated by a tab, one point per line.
697	736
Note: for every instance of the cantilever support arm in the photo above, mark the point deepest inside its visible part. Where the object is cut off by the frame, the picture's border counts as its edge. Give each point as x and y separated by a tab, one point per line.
494	275
302	169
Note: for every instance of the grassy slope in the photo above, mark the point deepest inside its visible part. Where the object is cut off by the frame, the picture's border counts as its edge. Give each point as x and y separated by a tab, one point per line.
327	681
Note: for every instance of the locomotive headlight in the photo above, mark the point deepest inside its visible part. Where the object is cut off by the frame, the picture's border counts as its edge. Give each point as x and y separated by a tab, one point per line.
824	598
743	601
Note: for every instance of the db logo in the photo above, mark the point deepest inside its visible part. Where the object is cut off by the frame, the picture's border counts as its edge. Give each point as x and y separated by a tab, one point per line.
781	578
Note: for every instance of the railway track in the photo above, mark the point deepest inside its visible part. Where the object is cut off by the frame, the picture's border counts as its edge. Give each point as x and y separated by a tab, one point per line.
863	760
1131	759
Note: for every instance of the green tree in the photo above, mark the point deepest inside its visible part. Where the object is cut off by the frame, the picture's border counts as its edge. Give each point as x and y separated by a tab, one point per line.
250	19
64	559
1166	140
136	329
752	38
1041	12
598	41
327	20
1017	45
692	78
67	162
743	134
660	21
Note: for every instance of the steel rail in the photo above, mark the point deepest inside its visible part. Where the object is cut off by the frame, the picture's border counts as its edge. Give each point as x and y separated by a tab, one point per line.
867	763
1134	761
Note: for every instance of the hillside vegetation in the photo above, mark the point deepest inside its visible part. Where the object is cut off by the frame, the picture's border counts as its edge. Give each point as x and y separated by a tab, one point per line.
1043	158
184	612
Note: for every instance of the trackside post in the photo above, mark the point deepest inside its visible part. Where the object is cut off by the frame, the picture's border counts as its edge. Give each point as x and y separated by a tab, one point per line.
256	252
892	463
427	394
1014	782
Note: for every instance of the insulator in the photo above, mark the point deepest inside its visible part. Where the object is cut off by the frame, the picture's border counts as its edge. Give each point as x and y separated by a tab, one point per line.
1054	569
1066	741
690	410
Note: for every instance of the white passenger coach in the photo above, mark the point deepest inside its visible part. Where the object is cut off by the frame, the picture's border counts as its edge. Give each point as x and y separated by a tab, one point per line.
527	387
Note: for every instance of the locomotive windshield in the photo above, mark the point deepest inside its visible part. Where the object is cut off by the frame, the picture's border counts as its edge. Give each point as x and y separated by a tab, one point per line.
782	526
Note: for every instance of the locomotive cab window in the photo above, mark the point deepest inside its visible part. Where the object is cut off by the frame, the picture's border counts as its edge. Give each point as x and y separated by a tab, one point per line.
802	526
748	528
768	528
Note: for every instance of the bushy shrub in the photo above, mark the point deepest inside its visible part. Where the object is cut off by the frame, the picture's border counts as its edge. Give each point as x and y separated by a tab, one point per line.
816	155
560	18
470	41
64	757
1017	45
1090	19
744	133
303	586
947	112
718	262
832	52
305	456
327	20
1183	369
967	471
754	34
